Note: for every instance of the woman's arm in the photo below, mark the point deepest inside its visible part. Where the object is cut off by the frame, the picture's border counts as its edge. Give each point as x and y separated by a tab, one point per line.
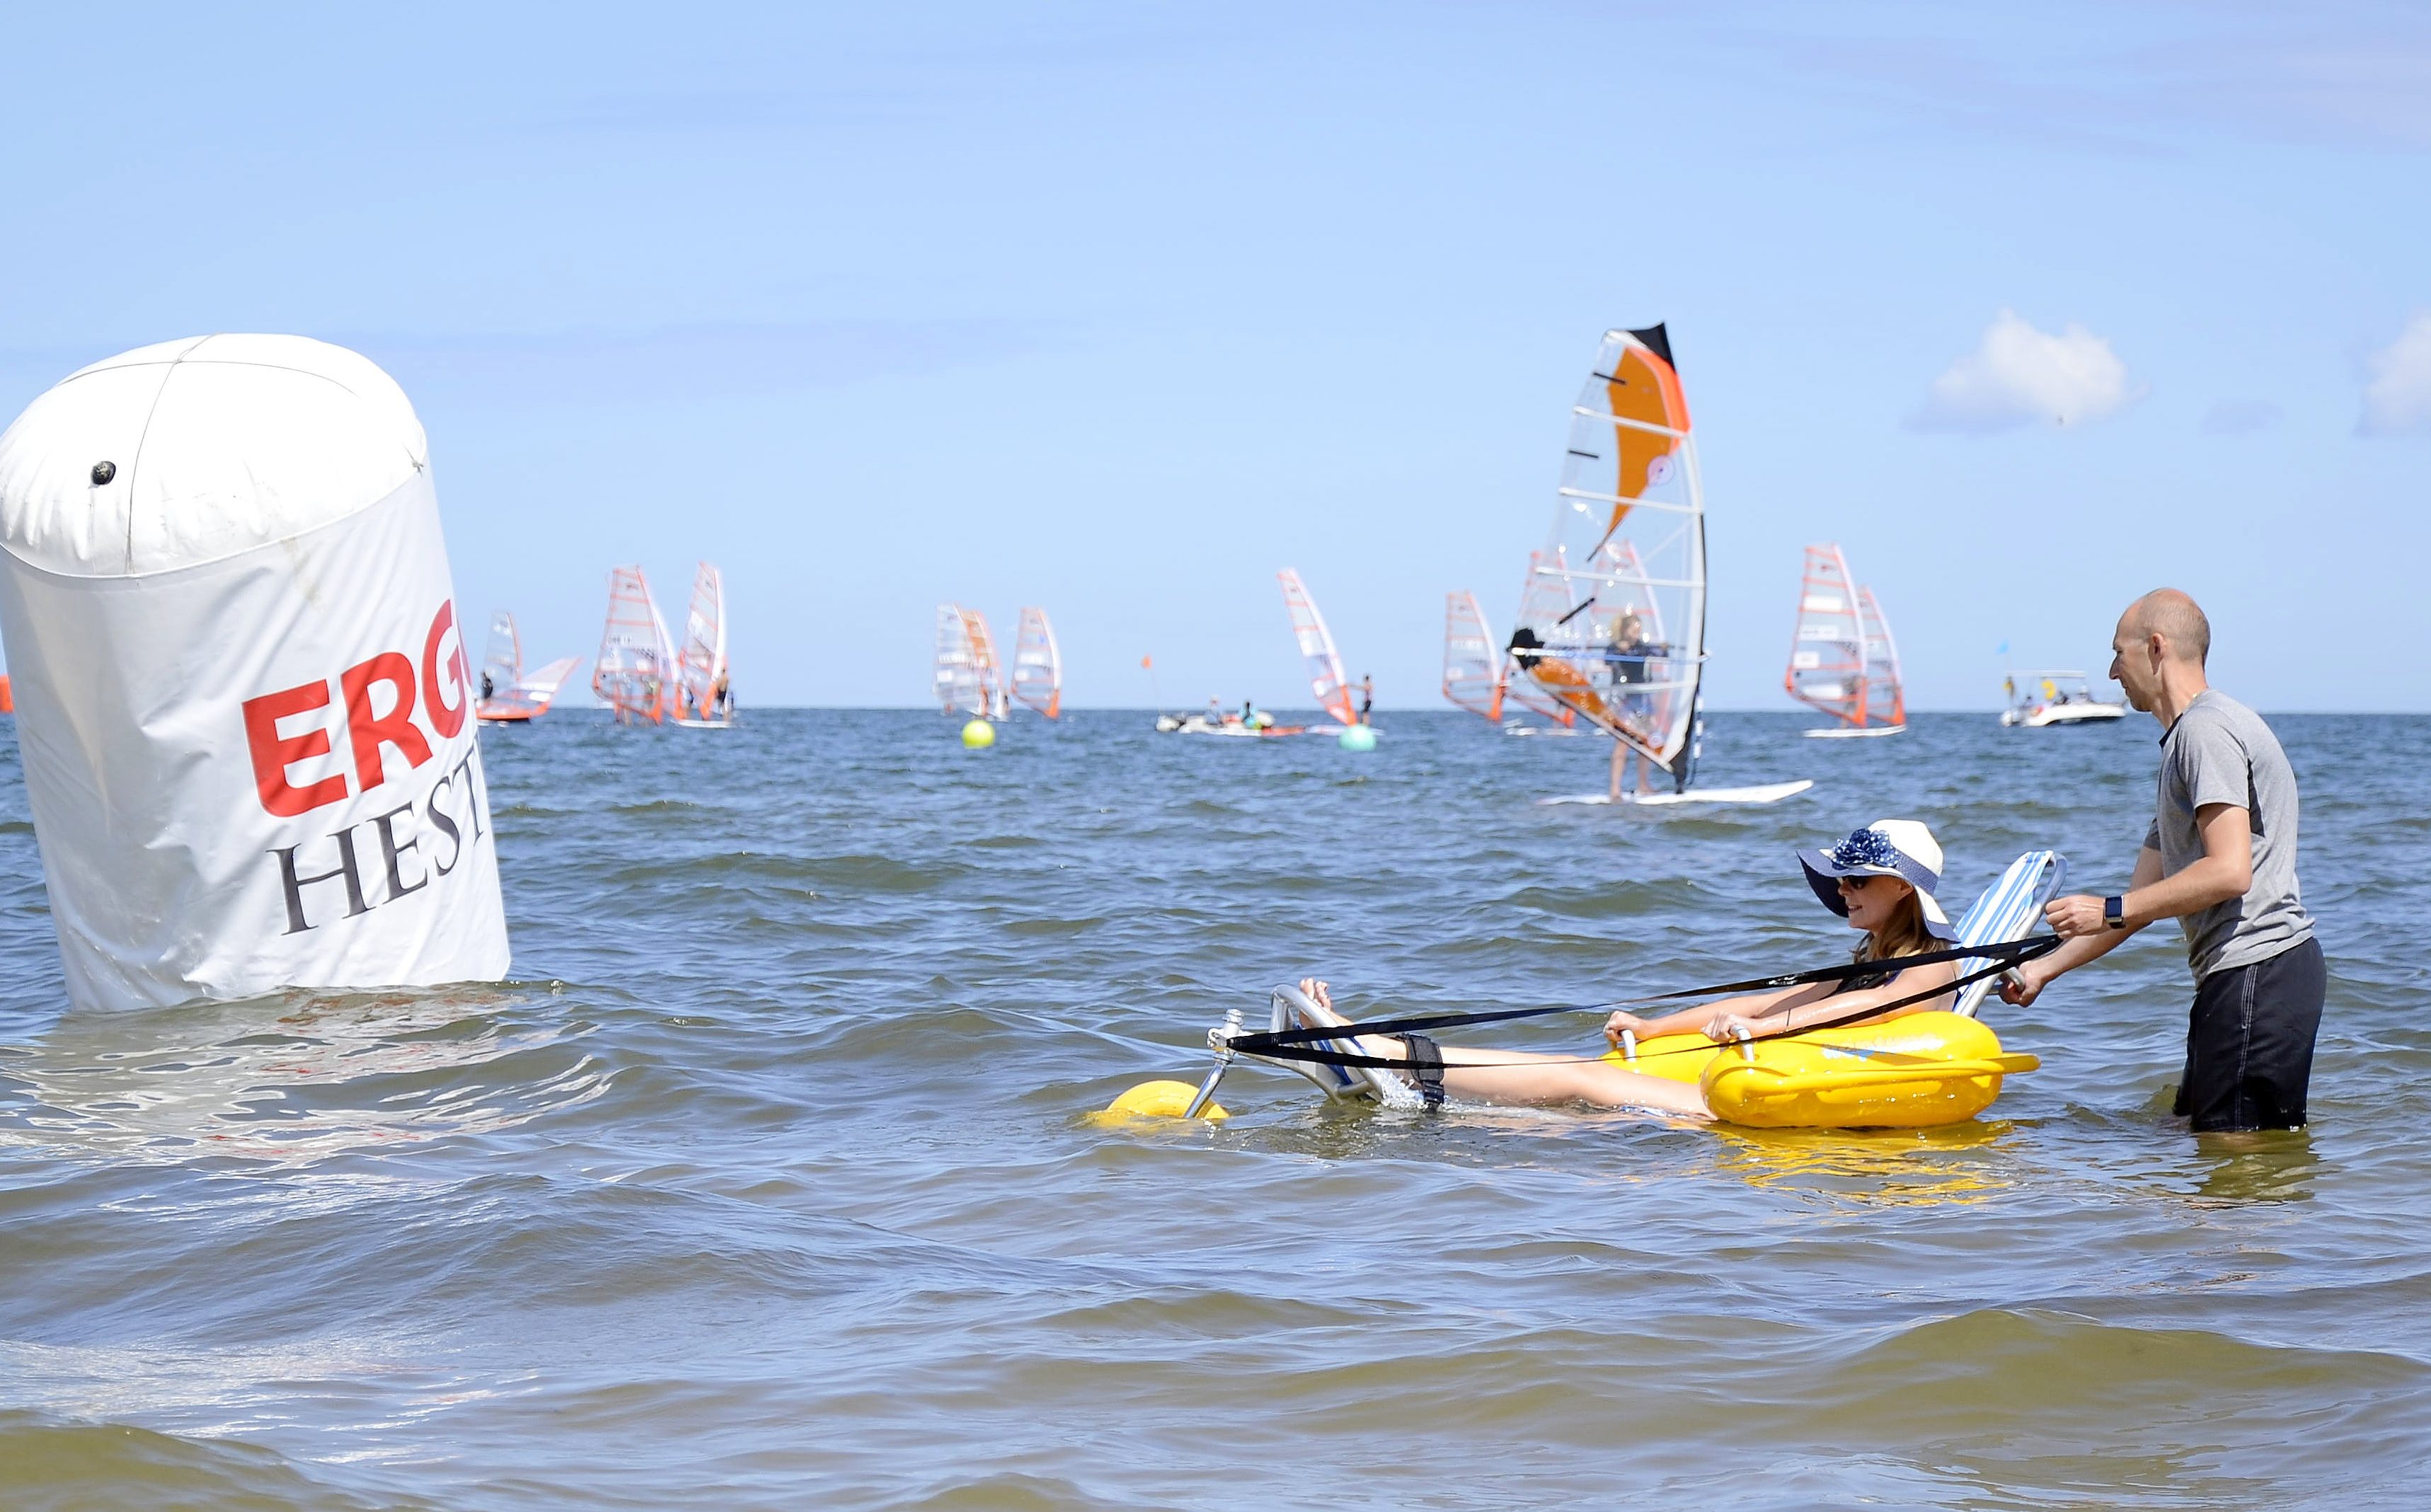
1752	1005
1870	1004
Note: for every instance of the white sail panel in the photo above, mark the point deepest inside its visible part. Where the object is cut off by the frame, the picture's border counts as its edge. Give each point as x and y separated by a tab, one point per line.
1612	623
1883	700
960	682
1037	679
1472	668
1827	652
1315	642
635	672
502	663
528	696
705	696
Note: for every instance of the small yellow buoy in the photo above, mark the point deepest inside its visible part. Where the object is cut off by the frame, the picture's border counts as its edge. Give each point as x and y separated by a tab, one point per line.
979	734
1158	1100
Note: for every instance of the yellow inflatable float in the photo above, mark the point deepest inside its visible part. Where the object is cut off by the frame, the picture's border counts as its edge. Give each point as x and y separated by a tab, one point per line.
1916	1073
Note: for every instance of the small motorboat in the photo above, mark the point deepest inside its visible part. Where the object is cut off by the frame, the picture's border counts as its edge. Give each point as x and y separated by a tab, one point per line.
2039	700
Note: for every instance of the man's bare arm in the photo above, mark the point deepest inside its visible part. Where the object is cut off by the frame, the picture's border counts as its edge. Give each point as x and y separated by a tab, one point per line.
2080	948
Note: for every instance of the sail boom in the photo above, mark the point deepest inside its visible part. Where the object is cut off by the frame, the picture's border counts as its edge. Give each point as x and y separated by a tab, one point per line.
1618	501
1608	418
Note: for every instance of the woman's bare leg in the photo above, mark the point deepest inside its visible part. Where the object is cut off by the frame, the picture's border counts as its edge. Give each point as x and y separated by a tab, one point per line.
1519	1078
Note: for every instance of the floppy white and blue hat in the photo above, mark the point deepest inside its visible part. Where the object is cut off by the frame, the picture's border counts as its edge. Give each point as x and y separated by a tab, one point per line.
1900	848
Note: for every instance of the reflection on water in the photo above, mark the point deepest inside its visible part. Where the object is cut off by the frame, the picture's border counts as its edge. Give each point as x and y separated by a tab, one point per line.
295	1078
1894	1167
2270	1166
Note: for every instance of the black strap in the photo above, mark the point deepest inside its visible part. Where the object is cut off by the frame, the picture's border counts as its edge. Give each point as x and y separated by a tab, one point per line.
1426	1067
2003	955
1298	1044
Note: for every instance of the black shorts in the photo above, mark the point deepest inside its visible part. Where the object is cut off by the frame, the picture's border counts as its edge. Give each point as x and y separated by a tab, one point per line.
2250	1042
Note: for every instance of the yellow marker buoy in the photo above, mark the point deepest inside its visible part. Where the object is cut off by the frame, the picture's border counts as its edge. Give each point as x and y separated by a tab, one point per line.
1158	1100
979	734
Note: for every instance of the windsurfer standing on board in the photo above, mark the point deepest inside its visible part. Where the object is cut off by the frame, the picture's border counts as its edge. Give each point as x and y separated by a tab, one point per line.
2220	859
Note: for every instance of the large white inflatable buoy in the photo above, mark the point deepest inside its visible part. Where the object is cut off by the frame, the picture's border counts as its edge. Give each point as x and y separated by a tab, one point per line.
243	696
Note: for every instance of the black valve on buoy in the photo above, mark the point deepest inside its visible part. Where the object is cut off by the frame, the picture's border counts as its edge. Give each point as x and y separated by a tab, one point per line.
103	473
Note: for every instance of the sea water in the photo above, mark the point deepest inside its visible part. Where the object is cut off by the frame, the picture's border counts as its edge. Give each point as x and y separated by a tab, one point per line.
769	1181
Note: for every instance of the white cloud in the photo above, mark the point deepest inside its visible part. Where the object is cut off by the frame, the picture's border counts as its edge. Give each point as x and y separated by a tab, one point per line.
2397	401
2020	376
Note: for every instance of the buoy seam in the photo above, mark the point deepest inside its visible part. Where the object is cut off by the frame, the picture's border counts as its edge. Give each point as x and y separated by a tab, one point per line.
126	561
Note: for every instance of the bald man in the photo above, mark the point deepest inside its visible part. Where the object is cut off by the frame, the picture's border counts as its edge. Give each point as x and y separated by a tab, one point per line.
2220	859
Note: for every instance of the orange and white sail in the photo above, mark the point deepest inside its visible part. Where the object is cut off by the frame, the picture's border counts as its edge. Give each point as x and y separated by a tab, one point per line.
1036	680
704	690
1841	658
1472	669
1612	626
636	672
528	697
965	678
509	694
1317	651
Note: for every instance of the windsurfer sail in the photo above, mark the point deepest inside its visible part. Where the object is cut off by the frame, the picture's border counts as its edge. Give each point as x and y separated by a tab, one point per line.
1842	659
502	664
705	697
1612	626
635	673
1037	675
509	694
1472	673
965	680
1317	651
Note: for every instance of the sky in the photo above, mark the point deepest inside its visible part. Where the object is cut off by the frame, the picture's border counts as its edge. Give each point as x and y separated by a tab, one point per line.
1118	308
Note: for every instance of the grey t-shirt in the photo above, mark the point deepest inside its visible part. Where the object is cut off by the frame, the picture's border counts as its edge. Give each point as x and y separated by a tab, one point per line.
2220	751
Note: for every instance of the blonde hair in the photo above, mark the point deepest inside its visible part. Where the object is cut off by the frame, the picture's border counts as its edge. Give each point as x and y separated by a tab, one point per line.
1906	935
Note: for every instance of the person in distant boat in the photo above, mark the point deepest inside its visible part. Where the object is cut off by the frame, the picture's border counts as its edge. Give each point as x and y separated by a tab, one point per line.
1882	879
721	696
489	687
1367	697
2221	859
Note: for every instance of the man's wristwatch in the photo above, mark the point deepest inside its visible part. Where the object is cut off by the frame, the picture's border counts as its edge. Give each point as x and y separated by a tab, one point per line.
2114	911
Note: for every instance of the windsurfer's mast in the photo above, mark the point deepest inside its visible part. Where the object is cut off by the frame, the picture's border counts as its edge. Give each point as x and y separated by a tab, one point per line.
1885	695
1842	659
635	673
965	680
502	662
705	690
1315	642
1472	672
1036	680
1612	624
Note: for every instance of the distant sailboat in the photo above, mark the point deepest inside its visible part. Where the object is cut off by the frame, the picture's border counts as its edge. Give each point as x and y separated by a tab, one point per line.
1478	673
1036	680
1842	659
509	694
1315	642
705	696
1472	668
636	671
966	680
1613	624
